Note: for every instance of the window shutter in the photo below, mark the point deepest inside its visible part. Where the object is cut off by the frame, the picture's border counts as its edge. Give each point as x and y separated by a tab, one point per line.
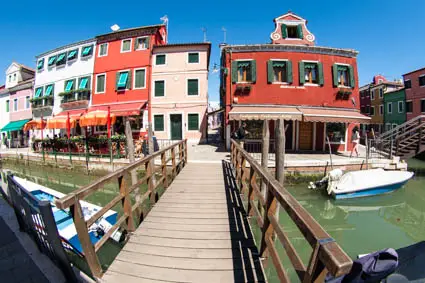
289	71
300	31
270	71
301	72
88	82
234	72
335	75
320	73
158	122
128	86
351	71
117	79
147	42
136	44
253	71
284	31
193	122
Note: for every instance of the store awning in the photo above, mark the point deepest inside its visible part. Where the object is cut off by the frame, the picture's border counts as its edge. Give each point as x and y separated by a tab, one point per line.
59	122
121	109
264	113
333	115
97	118
15	126
75	113
35	125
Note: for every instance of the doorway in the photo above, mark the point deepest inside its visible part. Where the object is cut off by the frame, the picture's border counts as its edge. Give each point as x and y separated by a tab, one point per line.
176	132
306	136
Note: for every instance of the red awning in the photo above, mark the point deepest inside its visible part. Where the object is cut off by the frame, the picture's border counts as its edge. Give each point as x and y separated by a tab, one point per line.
121	109
333	115
75	113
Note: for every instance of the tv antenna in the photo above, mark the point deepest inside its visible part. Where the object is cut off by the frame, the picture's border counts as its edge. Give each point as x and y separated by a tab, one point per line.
115	27
204	30
224	33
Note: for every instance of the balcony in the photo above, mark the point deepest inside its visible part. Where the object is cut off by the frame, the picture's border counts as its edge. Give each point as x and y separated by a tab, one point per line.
79	97
42	102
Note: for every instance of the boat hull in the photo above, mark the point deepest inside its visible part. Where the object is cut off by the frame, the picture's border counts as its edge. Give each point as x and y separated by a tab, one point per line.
370	191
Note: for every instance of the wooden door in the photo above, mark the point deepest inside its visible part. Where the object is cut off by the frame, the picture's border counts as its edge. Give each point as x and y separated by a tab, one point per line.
306	136
176	126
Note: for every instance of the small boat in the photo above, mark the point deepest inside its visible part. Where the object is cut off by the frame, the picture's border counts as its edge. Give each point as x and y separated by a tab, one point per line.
363	183
64	221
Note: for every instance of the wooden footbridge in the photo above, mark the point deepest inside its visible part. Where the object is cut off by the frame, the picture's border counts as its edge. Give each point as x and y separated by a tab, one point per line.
187	223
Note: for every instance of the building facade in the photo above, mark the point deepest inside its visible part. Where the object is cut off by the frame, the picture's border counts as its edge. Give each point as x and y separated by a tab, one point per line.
4	113
19	85
122	70
179	99
378	89
63	81
394	108
313	88
414	83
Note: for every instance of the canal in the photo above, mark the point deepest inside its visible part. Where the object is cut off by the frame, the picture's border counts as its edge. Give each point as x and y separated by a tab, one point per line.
359	226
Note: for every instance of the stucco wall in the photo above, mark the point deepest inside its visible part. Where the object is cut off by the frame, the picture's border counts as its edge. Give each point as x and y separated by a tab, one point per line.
415	94
4	116
23	112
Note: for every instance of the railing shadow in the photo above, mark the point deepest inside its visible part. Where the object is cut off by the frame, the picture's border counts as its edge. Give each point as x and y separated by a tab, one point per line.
246	261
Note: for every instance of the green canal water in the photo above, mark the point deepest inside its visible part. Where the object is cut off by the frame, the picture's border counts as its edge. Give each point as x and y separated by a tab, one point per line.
359	226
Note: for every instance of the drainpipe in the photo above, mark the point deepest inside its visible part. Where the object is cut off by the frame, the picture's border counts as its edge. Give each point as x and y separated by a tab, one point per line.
150	84
229	75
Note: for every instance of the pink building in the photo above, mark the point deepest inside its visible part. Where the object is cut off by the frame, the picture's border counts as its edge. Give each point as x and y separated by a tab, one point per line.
179	93
19	83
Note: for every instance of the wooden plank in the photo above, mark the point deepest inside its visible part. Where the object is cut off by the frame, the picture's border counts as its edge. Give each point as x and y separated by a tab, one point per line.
192	210
201	221
191	243
193	205
178	275
204	201
183	252
191	234
114	277
182	263
190	215
189	227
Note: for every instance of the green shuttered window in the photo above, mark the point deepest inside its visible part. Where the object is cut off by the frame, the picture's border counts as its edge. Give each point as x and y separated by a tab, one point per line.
49	90
40	64
7	105
126	45
38	92
51	61
193	122
84	83
244	71
123	80
61	59
158	121
100	83
343	75
72	54
192	87
159	88
69	85
139	80
87	51
283	31
279	71
160	59
311	73
141	43
193	57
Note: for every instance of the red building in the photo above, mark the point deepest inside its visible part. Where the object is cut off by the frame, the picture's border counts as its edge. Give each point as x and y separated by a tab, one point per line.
122	71
313	88
414	84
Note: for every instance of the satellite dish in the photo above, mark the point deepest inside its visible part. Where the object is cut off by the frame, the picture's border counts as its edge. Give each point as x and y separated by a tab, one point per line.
115	27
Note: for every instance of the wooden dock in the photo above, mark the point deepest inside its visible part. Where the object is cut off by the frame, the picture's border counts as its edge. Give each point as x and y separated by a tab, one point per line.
196	232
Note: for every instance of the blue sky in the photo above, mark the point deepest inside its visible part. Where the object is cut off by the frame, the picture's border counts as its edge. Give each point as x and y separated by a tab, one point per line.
388	34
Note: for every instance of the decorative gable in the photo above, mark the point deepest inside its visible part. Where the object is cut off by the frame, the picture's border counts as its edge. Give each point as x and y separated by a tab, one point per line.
291	29
14	67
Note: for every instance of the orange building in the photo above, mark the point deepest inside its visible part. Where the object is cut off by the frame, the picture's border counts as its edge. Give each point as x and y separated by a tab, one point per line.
122	70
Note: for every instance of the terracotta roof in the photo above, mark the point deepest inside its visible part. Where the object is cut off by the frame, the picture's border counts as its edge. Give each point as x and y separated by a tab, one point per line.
25	67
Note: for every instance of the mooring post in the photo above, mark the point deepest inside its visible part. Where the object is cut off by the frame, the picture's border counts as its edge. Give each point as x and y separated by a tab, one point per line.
265	156
280	157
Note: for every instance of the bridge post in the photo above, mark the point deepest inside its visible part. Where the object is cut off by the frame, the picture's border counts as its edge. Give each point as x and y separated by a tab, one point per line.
173	162
420	135
251	196
268	230
126	203
164	170
265	156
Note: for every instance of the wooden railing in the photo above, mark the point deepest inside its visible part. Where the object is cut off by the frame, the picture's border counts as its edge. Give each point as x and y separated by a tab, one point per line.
327	255
131	211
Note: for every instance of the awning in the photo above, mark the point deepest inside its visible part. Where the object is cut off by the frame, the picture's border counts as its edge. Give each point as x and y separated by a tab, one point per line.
264	113
15	126
97	118
75	113
333	115
121	109
35	125
59	122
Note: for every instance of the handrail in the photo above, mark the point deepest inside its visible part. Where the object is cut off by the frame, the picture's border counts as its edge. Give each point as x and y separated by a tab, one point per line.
395	130
327	254
131	210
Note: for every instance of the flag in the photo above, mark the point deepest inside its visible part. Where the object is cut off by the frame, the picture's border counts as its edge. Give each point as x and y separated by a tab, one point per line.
164	19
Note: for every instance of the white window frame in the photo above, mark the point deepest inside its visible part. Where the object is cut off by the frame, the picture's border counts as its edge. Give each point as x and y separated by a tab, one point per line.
317	63
281	60
406	106
199	57
138	49
187	87
163	120
394	125
381	93
15	100
388	108
243	60
122	45
27	98
402	106
107	47
134	79
104	88
419	79
199	122
165	88
14	77
161	65
122	71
